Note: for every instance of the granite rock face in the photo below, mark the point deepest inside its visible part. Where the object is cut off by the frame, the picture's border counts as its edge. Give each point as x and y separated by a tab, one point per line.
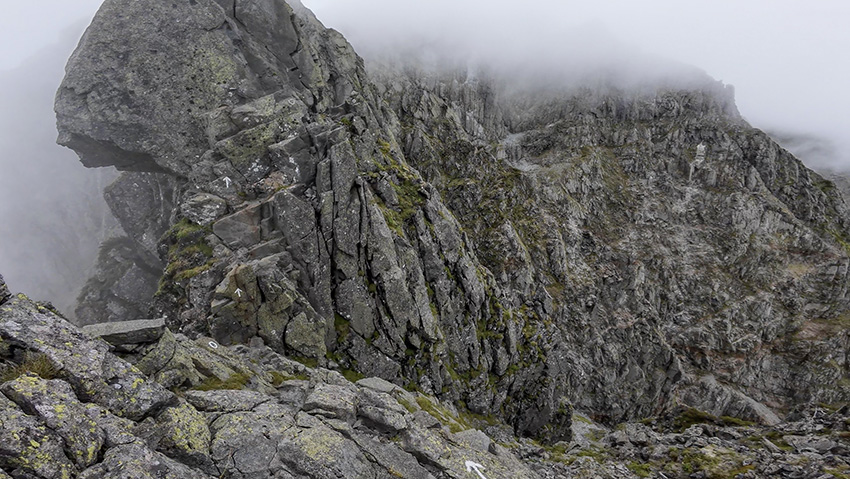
513	251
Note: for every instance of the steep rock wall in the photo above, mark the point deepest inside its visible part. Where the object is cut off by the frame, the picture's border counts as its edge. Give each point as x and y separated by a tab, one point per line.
617	251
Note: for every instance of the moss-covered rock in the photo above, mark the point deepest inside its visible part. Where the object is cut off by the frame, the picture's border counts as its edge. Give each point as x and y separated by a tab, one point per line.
54	403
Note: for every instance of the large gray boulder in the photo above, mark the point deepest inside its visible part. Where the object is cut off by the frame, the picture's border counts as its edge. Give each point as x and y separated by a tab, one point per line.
181	73
127	332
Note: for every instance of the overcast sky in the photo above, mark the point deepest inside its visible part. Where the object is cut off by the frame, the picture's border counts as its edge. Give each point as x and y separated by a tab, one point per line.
788	59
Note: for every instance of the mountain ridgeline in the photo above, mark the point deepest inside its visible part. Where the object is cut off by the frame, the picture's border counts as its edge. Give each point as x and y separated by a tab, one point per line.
519	252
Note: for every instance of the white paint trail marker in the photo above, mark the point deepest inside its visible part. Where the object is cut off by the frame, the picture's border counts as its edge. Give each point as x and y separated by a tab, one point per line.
227	181
477	468
238	292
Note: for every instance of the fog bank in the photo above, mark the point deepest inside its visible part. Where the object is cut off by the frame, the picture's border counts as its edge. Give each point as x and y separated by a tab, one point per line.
784	57
52	213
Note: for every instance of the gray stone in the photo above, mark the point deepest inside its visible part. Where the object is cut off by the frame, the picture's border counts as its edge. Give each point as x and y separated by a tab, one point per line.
203	208
381	410
248	440
306	335
240	229
135	461
474	439
377	385
54	403
226	401
820	445
27	444
321	452
95	374
336	402
127	332
184	435
124	281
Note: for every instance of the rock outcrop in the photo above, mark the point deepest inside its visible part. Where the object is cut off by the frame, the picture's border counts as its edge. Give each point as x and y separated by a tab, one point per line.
245	411
240	413
514	252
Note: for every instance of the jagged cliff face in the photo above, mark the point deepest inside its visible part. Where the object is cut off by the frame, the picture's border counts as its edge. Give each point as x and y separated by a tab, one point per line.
518	252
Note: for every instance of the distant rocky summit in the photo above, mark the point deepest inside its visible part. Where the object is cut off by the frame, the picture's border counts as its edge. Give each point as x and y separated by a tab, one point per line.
516	269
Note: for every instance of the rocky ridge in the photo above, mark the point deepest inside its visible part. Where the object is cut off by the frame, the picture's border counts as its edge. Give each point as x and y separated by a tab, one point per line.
517	253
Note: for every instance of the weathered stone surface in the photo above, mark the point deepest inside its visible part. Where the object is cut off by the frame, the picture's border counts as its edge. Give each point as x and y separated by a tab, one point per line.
241	229
306	336
184	434
54	403
135	461
123	283
248	441
335	402
203	208
377	385
127	332
432	447
29	446
322	453
381	410
86	364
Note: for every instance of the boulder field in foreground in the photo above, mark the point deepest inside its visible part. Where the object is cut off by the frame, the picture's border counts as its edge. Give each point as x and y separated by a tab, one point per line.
175	408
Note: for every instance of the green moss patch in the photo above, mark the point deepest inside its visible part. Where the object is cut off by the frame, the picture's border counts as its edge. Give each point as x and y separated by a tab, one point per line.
235	381
188	255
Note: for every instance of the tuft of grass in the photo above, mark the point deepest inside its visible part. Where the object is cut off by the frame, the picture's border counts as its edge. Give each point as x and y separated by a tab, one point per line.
278	378
311	363
407	405
692	416
352	375
35	363
640	469
188	255
235	381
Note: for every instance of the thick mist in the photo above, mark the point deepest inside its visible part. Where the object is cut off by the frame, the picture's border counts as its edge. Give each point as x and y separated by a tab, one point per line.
784	57
52	213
